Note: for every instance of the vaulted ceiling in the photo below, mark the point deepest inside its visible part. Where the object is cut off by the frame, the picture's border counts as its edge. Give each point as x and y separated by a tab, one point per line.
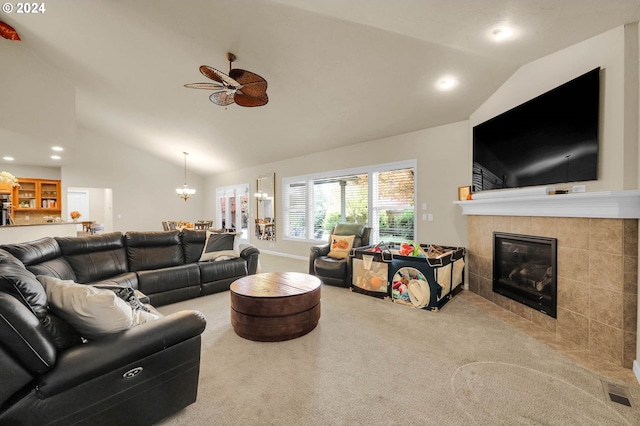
340	72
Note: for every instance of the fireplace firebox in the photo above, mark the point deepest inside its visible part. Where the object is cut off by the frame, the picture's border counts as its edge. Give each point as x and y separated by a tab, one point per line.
524	270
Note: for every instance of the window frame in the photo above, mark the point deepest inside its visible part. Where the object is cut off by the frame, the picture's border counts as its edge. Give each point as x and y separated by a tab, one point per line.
371	210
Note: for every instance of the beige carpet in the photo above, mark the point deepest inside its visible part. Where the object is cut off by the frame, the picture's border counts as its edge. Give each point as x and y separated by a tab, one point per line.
372	362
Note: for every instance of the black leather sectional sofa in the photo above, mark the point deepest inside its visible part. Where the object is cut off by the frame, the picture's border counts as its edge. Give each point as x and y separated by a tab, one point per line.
49	375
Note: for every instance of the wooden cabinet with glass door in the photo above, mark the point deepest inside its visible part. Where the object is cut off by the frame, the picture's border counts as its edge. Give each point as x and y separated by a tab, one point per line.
37	195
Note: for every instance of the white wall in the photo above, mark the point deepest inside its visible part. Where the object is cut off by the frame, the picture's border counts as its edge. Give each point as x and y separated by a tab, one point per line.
443	155
37	103
143	185
35	172
606	51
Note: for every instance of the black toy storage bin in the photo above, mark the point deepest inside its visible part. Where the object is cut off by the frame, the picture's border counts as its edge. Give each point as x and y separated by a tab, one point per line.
370	271
427	282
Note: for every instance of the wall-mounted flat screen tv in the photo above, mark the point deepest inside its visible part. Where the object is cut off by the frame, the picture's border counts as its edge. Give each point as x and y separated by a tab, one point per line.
550	139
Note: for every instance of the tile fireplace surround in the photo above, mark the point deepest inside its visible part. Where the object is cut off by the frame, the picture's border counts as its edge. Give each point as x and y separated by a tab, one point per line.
597	267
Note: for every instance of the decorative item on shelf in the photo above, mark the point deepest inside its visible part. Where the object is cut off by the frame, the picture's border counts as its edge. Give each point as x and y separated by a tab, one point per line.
185	192
75	215
464	193
9	178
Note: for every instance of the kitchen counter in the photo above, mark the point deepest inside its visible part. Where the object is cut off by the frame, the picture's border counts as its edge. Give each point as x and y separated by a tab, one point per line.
10	234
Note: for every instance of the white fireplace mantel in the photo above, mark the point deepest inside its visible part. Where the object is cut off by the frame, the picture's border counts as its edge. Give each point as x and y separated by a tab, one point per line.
608	204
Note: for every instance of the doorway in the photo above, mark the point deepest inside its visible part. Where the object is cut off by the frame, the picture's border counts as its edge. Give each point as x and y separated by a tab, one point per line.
94	204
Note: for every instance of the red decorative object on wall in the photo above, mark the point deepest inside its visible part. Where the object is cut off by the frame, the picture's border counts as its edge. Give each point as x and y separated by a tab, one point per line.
8	32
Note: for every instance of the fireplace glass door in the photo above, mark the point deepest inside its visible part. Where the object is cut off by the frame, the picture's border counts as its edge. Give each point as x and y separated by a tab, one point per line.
524	269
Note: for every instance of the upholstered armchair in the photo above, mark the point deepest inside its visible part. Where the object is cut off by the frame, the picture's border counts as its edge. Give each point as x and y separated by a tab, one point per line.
332	270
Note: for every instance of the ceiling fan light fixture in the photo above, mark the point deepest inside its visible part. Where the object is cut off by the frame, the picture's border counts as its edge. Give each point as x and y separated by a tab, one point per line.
240	86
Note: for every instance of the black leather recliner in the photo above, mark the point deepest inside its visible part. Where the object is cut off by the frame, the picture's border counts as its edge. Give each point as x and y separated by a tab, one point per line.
337	271
49	376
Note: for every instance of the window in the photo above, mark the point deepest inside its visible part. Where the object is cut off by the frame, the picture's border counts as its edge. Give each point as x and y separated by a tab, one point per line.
381	196
232	207
296	199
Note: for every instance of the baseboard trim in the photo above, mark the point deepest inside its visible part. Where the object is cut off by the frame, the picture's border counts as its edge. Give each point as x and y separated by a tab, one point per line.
636	369
277	253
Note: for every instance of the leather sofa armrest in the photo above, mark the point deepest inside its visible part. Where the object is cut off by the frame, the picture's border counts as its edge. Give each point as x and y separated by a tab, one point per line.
248	251
317	251
250	254
84	362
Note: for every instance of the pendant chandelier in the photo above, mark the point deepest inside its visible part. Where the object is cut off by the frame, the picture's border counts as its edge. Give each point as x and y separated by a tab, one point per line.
261	196
185	192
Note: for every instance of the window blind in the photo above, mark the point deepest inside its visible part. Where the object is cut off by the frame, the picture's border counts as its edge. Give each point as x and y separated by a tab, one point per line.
295	194
381	196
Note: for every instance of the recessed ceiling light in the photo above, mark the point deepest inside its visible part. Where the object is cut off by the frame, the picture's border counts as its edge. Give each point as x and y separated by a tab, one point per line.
57	148
447	83
8	158
502	33
55	157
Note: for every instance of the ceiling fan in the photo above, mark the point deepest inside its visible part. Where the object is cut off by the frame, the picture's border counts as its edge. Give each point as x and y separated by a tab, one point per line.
240	86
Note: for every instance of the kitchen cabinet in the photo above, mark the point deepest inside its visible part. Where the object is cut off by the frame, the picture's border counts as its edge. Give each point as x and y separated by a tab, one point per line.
37	195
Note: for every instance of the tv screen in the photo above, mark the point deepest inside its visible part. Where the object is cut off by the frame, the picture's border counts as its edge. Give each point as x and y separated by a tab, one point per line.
550	139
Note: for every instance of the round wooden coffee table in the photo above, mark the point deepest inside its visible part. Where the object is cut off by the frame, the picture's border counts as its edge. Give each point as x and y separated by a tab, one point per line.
275	306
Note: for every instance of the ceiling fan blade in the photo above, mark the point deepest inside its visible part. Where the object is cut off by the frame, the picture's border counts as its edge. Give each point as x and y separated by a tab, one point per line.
245	77
252	83
208	86
255	90
222	98
250	101
218	76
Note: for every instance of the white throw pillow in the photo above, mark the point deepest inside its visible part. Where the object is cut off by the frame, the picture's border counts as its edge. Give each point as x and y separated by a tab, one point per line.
340	246
220	246
92	311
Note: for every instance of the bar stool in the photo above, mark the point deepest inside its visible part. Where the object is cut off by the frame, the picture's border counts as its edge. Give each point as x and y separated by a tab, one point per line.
97	228
86	225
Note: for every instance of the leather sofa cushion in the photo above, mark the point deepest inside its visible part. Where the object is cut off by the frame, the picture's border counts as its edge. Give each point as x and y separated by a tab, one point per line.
6	257
193	244
23	285
219	270
43	257
95	257
58	267
154	250
24	336
34	252
128	279
167	279
329	267
63	334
